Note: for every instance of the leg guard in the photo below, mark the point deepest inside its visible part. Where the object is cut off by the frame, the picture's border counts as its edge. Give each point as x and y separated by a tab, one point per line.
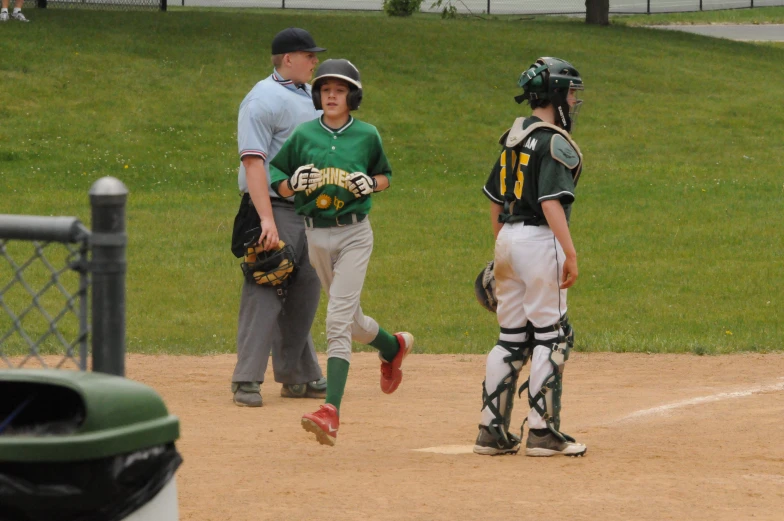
547	402
494	436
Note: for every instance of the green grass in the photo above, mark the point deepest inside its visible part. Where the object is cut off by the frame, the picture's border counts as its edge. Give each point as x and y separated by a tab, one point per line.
760	15
678	219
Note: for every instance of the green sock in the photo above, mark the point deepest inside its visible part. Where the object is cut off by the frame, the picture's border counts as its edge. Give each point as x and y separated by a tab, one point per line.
337	374
386	344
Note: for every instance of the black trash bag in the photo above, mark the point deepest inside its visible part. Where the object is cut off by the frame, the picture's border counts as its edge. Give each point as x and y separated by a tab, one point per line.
106	489
33	409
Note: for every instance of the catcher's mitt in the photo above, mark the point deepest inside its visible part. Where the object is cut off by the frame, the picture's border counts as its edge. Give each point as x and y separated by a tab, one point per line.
269	268
484	288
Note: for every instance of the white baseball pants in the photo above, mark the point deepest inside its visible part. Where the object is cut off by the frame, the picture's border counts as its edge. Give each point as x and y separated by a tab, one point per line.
528	270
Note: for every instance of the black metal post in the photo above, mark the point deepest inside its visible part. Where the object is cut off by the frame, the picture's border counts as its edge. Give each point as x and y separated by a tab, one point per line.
163	5
40	4
108	240
649	7
488	6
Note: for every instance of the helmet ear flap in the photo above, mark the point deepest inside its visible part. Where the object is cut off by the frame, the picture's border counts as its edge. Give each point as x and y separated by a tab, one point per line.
354	98
315	93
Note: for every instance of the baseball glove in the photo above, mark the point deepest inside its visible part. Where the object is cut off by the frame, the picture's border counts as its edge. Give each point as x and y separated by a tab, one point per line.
269	268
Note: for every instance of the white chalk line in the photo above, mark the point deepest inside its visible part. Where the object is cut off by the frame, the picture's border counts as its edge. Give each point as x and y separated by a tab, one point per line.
663	409
641	414
448	449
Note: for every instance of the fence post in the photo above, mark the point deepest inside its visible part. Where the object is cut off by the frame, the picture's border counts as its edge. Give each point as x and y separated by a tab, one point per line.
40	4
108	239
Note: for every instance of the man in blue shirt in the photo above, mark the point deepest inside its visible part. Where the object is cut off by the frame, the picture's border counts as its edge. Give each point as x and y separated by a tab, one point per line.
268	323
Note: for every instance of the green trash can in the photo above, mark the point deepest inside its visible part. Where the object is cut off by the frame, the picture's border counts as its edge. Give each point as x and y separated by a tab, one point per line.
85	446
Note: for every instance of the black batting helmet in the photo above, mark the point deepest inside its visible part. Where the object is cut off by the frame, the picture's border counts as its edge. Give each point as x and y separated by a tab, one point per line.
342	70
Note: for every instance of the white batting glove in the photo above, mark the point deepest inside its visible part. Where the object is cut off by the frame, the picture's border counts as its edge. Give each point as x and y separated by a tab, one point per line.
305	177
361	184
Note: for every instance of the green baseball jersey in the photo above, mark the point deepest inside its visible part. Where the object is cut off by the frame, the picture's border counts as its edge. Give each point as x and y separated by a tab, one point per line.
355	147
529	173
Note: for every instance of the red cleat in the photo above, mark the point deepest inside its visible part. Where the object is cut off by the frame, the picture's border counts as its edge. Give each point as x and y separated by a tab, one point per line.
391	375
324	423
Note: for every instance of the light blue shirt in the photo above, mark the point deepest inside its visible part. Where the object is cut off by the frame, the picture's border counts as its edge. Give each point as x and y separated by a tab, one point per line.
268	115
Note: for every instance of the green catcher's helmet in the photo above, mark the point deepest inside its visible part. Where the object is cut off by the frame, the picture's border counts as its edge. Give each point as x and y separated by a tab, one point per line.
551	79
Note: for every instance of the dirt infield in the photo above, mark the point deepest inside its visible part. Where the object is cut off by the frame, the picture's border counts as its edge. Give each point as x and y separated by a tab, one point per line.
669	437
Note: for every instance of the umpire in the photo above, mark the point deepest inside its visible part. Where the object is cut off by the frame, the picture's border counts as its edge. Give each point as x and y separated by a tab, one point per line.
269	322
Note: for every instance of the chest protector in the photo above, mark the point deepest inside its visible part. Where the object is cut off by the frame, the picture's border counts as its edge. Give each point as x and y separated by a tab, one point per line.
562	148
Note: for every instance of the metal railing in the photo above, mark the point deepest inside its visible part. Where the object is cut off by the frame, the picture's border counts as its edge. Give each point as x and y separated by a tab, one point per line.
499	7
115	5
67	259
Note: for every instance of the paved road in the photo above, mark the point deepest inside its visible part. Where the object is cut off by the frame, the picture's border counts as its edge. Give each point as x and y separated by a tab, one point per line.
749	33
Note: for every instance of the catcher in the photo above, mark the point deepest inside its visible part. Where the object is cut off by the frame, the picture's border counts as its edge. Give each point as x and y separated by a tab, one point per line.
531	191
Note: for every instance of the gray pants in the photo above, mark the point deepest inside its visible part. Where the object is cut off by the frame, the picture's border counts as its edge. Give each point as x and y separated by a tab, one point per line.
340	255
267	325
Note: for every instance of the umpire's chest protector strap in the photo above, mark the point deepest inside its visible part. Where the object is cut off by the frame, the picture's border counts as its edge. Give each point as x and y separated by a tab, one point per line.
562	146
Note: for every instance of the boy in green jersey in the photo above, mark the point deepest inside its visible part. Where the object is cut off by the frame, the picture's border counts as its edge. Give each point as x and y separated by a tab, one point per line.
332	165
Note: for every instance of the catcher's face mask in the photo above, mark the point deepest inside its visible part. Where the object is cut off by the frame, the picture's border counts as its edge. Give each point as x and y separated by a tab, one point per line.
484	288
269	268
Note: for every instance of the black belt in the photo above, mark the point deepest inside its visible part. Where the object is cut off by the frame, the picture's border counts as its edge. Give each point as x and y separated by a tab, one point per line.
340	220
274	200
526	222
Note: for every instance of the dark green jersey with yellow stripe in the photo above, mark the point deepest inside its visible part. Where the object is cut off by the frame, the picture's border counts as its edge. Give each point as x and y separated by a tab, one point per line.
533	170
355	147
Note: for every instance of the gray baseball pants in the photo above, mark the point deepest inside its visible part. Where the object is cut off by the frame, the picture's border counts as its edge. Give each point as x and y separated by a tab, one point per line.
340	255
268	325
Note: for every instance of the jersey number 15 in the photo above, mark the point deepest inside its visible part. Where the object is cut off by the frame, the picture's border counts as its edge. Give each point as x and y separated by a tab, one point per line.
518	187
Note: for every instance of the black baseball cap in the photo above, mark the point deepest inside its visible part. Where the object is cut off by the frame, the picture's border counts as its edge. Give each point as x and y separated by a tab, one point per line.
294	39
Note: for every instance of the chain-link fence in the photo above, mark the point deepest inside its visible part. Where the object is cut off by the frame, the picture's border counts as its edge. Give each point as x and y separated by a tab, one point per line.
47	266
496	6
45	299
